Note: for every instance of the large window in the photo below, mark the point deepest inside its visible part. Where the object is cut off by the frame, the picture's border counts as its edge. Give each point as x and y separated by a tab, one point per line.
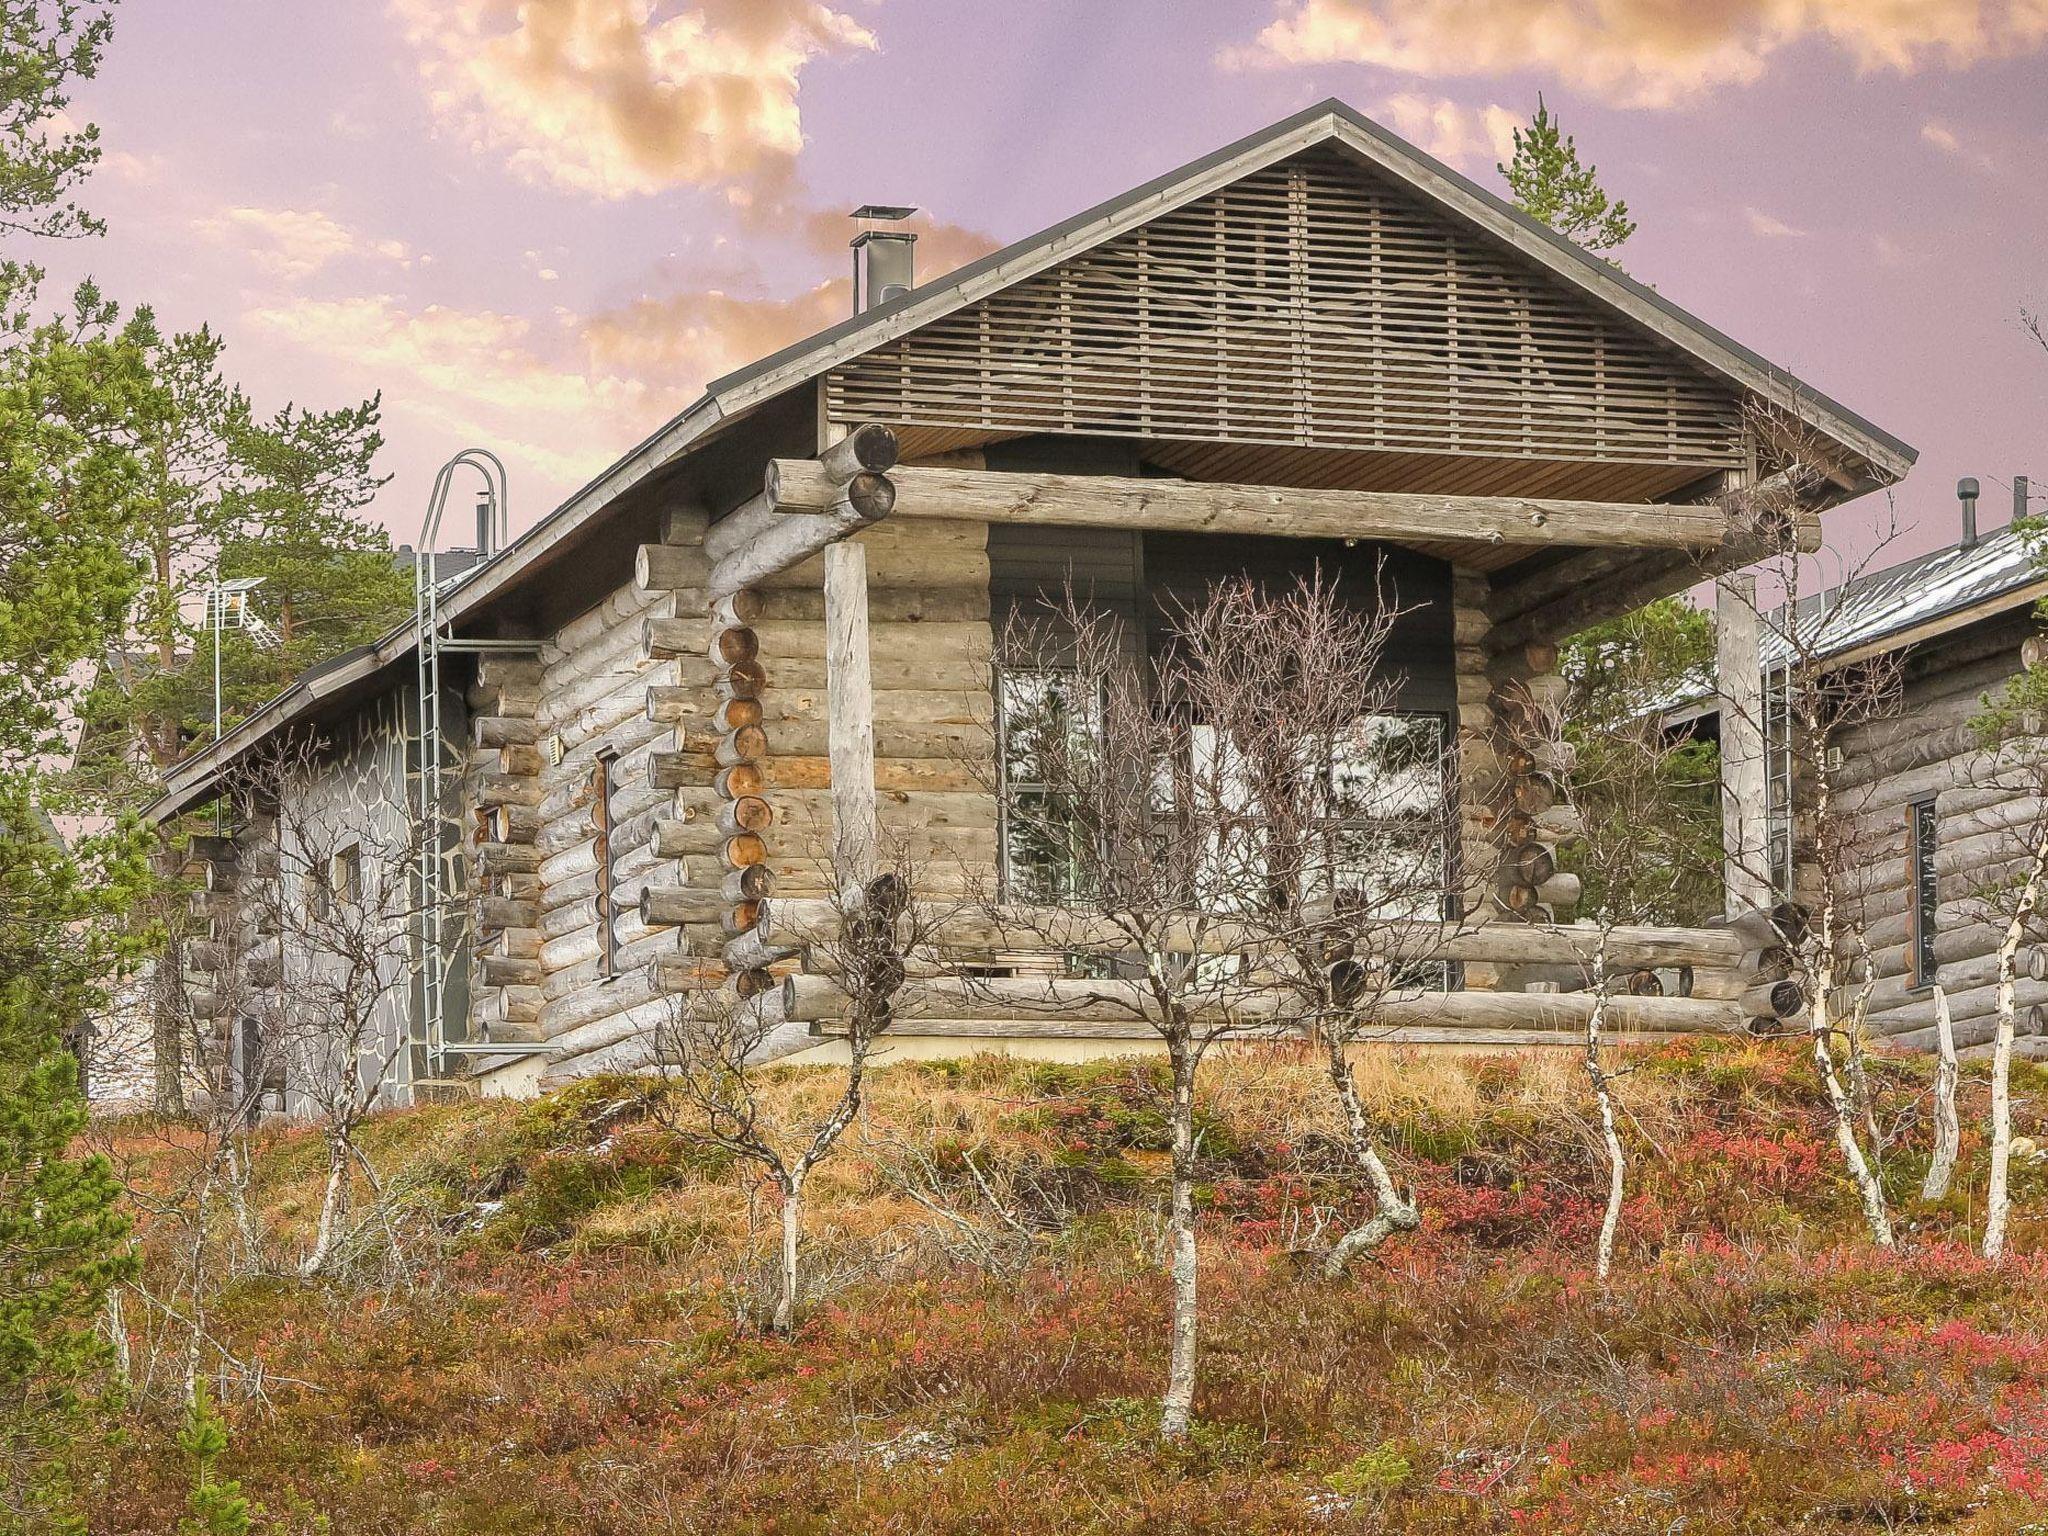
1376	832
1925	888
1044	726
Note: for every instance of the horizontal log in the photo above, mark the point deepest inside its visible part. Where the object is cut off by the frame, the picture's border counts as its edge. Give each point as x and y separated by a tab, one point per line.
681	836
502	912
670	905
503	731
1021	928
813	484
1057	1001
934	604
1110	501
493	789
786	640
762	552
510	971
508	858
753	951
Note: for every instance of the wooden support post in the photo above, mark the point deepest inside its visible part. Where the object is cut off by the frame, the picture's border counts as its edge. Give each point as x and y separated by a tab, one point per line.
1745	809
850	702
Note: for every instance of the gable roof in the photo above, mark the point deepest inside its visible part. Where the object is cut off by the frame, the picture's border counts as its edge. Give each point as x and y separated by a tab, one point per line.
1329	123
1334	123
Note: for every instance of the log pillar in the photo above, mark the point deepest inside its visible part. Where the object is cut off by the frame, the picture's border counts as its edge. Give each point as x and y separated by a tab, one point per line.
1745	791
850	714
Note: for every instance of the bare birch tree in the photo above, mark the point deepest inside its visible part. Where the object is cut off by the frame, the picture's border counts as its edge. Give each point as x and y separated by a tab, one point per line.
1816	700
2010	765
336	922
1341	867
1948	1129
713	1045
1618	765
1181	859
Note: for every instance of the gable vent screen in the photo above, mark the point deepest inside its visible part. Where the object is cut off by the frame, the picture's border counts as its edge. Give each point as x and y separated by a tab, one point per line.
1305	305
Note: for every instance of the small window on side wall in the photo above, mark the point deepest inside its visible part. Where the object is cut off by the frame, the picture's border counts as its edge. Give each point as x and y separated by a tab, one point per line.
346	875
1924	887
601	814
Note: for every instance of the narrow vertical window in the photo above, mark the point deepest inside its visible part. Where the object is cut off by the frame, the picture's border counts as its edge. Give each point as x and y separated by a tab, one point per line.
345	879
1925	888
601	816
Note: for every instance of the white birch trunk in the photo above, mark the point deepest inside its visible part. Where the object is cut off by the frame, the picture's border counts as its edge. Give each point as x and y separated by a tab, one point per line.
1617	1167
1869	1191
792	1229
1998	1195
1176	1408
1948	1130
330	1208
1391	1213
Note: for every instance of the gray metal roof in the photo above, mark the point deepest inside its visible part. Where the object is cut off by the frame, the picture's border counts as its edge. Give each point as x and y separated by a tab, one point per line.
1998	572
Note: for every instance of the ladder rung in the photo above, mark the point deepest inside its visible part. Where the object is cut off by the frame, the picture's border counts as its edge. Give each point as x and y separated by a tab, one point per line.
451	643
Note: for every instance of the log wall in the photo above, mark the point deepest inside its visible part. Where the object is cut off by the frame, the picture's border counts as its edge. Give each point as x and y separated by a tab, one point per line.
615	687
1984	816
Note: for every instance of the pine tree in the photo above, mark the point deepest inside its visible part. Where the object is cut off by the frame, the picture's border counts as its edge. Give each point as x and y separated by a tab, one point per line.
1550	184
63	1240
213	1508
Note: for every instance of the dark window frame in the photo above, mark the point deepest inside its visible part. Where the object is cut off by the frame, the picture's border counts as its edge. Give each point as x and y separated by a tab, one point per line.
1923	892
601	786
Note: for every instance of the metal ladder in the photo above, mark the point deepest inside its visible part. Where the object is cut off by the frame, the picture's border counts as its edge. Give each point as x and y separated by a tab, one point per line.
435	959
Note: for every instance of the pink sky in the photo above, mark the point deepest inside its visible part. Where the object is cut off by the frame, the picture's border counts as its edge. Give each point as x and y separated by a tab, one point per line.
541	227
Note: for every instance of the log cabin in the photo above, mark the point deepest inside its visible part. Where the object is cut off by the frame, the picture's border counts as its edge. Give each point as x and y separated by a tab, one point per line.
769	625
1932	817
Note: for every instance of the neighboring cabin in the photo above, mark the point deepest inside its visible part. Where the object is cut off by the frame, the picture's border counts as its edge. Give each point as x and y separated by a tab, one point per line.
1932	822
1317	345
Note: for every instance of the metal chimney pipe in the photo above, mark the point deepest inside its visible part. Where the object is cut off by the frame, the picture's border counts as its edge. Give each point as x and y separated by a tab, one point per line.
2020	491
1966	493
884	260
484	522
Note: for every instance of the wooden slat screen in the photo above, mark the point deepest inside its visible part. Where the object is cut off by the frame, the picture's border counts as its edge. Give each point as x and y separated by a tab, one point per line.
1307	305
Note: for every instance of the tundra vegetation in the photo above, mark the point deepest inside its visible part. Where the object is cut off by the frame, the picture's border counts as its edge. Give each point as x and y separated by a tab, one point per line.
980	1343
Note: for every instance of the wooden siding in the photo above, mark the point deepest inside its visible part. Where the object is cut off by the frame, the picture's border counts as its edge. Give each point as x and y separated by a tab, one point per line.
1311	306
1982	823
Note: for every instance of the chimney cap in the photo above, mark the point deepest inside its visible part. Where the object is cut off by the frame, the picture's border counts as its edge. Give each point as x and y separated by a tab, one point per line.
1966	488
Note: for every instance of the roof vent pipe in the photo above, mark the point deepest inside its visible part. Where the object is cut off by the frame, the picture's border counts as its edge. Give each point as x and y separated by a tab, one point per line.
884	260
2020	491
484	508
1966	493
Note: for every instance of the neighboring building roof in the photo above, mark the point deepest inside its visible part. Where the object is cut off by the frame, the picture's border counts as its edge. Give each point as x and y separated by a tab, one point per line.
1916	599
1327	123
1887	610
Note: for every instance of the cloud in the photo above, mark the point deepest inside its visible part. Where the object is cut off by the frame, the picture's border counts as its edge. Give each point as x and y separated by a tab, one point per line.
1472	137
1945	139
476	375
566	391
293	243
1766	226
1641	53
615	98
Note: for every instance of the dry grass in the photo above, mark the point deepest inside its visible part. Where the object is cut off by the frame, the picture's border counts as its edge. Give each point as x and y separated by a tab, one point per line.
575	1357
